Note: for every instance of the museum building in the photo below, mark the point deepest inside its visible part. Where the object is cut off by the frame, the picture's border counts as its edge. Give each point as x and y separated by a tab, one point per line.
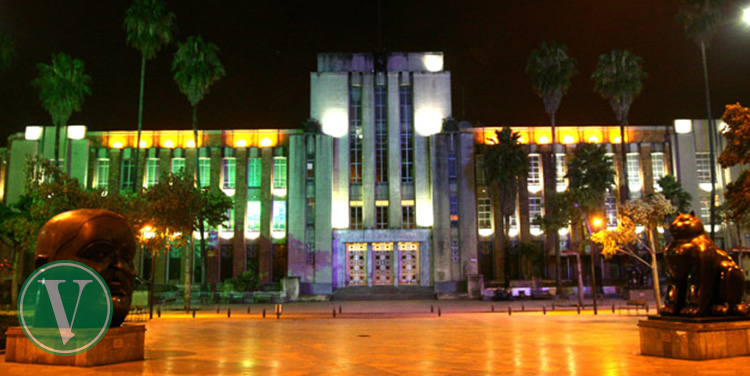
389	190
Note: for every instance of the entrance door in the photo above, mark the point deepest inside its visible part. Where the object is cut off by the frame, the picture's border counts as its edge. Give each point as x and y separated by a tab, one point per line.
356	254
383	271
409	257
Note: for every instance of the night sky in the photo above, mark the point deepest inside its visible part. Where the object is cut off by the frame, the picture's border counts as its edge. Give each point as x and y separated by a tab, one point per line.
269	49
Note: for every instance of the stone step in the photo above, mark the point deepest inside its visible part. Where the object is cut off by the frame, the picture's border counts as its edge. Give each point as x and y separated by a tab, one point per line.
384	293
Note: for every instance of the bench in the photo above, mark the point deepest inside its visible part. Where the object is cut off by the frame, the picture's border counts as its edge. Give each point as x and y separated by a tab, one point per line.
633	304
136	314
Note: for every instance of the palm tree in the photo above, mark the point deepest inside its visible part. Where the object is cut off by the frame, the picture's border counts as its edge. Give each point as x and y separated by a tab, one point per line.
550	69
618	78
196	67
7	51
701	19
672	190
505	163
62	87
150	27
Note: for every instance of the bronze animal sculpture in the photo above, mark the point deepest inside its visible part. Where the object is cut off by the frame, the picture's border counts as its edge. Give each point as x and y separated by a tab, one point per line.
703	280
100	239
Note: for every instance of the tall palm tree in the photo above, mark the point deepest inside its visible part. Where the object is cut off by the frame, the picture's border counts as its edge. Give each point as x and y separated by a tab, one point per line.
618	78
701	20
196	67
550	69
505	163
150	27
7	51
62	87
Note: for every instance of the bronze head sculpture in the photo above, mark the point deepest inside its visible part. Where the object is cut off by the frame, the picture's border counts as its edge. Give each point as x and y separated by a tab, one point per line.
703	279
100	239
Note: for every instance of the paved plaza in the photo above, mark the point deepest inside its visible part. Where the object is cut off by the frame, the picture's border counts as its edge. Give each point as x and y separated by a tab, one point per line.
396	338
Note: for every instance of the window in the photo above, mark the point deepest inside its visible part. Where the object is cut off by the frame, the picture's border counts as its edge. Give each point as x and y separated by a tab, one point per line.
610	207
479	164
178	165
381	135
381	217
407	133
152	172
484	209
204	170
634	172
703	167
452	165
535	207
279	217
453	200
228	171
355	134
355	217
407	216
229	224
253	216
534	178
253	172
279	173
310	170
561	168
455	255
127	179
310	211
102	173
706	208
657	169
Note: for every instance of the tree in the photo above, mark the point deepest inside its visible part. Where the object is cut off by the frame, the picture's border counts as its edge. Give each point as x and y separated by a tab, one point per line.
550	69
700	20
625	239
149	27
672	190
618	78
505	163
7	51
737	152
62	87
196	67
558	212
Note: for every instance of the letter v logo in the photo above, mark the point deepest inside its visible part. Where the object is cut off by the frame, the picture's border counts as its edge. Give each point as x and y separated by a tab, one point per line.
65	308
53	290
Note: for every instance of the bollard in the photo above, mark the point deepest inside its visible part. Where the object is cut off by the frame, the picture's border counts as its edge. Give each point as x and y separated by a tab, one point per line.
544	309
334	313
646	308
492	308
158	312
248	310
229	312
553	306
264	313
279	310
339	309
523	308
578	307
217	309
509	309
613	307
439	313
432	308
193	313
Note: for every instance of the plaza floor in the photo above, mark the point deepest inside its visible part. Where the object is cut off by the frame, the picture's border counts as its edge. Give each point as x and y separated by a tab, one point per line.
396	338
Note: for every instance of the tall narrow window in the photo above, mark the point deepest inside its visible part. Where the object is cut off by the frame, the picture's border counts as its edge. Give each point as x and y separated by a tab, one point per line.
279	173
204	169
407	216
706	208
102	173
355	133
562	170
703	167
453	200
127	178
484	213
253	216
381	135
610	207
479	165
253	172
310	211
279	219
406	117
228	170
152	172
534	178
634	174
178	165
535	208
355	217
657	169
229	224
381	217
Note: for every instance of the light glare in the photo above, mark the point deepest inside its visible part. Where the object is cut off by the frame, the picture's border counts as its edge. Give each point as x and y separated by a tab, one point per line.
33	132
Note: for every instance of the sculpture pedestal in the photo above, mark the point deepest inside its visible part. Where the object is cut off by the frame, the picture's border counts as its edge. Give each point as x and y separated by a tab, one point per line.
695	338
123	344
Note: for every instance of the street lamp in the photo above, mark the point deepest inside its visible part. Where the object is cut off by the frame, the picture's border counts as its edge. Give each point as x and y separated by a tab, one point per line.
147	232
595	223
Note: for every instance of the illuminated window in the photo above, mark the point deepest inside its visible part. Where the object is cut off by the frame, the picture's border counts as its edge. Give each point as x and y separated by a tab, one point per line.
102	173
253	216
204	168
279	172
152	172
381	217
310	211
381	135
706	208
407	133
355	132
535	207
229	224
355	217
634	175
610	207
178	165
228	171
279	216
479	164
703	167
127	178
562	170
657	168
453	201
534	178
253	172
407	216
484	213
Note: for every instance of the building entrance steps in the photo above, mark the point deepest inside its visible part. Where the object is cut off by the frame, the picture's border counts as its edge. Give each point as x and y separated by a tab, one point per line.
383	293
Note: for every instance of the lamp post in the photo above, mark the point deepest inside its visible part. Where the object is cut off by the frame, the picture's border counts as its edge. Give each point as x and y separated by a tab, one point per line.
147	232
595	223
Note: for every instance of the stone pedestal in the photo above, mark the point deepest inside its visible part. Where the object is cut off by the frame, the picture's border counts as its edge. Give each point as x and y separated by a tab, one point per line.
475	285
695	338
123	344
290	286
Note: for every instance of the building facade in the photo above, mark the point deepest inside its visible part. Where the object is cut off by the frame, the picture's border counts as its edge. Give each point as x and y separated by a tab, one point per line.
389	191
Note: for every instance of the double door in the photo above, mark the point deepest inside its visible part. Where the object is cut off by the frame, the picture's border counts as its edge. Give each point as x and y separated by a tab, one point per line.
387	264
